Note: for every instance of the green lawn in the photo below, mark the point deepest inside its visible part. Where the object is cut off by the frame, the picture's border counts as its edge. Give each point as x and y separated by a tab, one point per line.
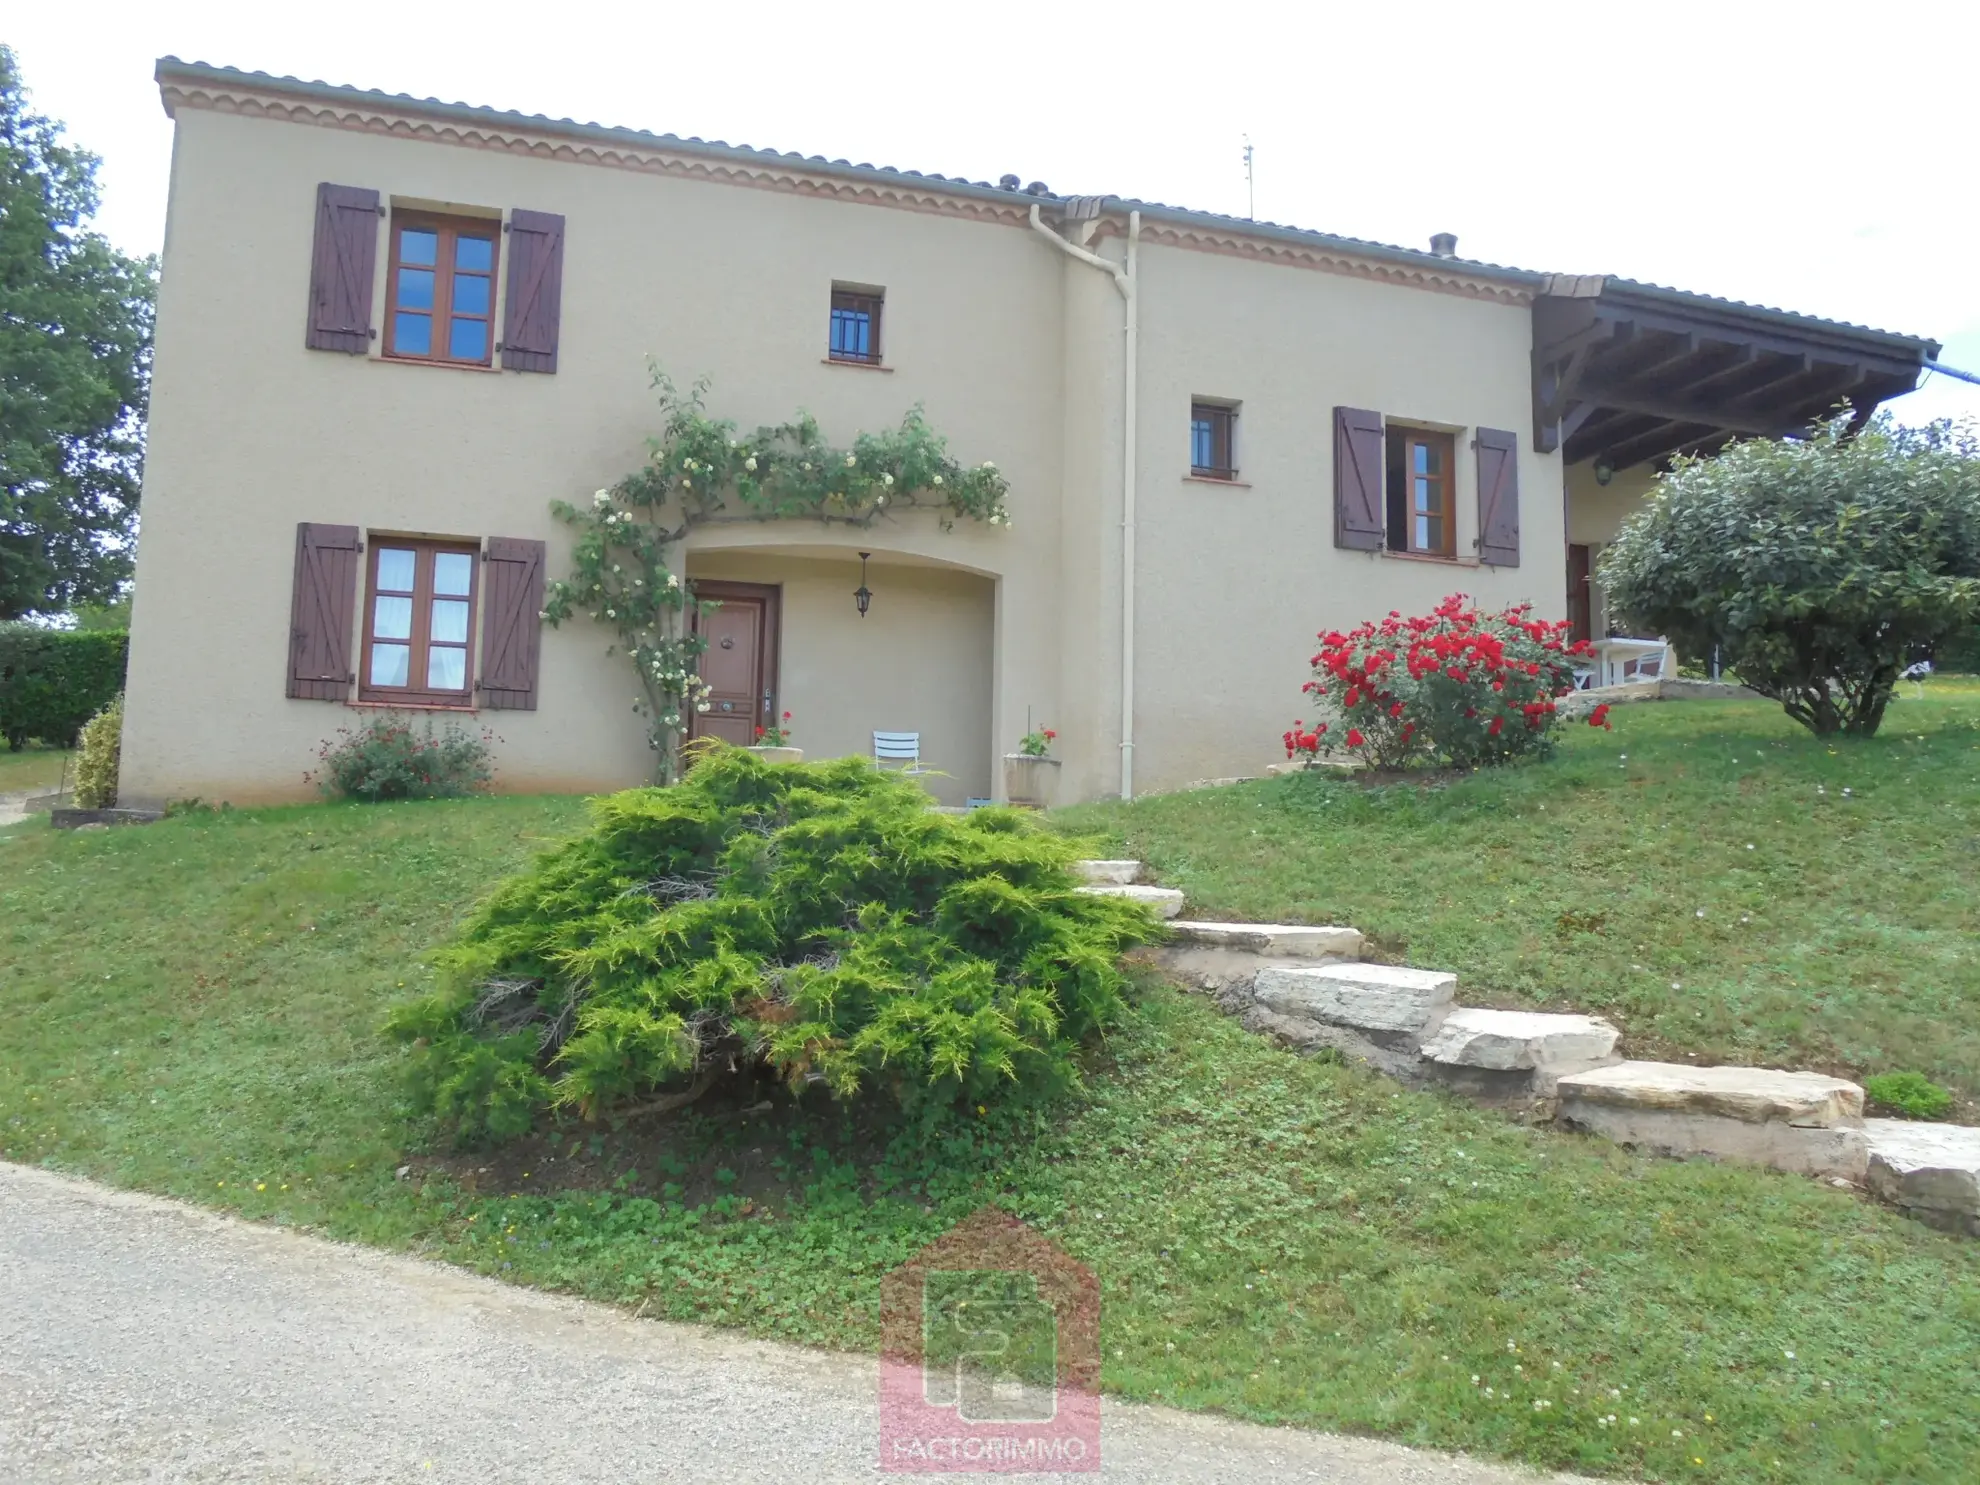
1709	875
192	1007
32	767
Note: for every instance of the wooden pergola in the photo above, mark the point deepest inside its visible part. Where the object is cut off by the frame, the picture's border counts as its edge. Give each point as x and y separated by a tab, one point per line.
1627	373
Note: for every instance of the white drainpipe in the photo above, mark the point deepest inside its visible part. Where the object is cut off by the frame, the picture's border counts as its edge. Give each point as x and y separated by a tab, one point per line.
1126	282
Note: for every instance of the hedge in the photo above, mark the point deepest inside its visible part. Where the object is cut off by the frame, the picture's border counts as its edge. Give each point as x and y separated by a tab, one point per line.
52	681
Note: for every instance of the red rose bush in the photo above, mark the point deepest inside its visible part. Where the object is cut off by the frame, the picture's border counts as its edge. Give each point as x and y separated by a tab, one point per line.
1463	686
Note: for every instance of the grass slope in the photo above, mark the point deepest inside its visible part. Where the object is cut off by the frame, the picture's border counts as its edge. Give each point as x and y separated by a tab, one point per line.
1711	876
192	1007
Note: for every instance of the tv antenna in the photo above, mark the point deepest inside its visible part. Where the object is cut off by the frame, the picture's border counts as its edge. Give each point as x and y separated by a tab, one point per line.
1250	186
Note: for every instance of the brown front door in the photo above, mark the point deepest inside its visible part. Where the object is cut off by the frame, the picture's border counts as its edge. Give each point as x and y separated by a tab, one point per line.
1581	610
740	662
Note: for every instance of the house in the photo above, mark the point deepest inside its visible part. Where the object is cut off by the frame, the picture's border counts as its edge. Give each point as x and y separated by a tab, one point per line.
392	330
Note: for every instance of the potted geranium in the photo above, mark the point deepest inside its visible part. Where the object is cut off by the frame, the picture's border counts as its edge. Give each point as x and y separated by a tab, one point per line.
773	743
1031	775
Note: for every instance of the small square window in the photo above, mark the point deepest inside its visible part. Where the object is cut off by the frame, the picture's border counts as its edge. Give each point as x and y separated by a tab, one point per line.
1422	480
1213	440
855	332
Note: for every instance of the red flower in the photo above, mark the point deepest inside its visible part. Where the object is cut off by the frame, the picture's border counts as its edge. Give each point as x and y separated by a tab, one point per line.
1600	717
1049	733
1354	737
759	732
1498	726
787	717
1396	710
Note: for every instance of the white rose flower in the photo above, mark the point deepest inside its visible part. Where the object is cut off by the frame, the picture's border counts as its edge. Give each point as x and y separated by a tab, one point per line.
880	500
611	613
750	464
701	706
617	568
938	479
886	479
673	581
602	498
988	465
543	613
851	459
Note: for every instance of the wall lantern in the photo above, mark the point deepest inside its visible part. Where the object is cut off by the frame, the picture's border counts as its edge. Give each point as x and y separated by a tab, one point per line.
863	595
1604	471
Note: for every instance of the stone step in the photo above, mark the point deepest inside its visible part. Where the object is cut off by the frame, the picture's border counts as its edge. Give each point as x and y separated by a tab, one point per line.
1166	902
1366	997
1270	940
1931	1170
1794	1121
1107	873
1539	1043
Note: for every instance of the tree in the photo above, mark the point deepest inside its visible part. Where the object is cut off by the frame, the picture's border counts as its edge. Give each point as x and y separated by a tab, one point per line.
75	369
1816	567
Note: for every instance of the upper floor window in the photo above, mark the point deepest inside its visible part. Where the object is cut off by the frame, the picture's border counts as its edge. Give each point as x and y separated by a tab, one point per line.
856	326
1422	475
418	614
441	288
1213	440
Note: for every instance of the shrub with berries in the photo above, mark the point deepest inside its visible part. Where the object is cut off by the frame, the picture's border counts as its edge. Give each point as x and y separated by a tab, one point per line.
1463	686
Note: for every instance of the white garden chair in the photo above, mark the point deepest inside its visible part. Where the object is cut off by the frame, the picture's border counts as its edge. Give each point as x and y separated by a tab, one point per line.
902	748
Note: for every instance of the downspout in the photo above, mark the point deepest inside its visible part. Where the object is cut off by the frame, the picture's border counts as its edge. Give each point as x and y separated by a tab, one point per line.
1126	282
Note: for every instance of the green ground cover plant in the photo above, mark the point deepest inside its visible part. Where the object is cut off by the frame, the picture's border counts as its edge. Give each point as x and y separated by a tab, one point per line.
817	921
1708	874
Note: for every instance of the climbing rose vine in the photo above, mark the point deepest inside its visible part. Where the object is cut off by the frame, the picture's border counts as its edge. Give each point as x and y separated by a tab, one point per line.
1463	686
702	471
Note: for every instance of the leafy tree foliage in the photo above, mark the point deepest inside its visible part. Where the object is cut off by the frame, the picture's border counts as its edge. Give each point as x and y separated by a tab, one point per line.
75	368
1818	567
817	921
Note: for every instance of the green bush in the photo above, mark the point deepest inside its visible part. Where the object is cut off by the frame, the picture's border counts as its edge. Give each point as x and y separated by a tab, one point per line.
1817	566
815	920
1909	1095
386	759
96	763
54	680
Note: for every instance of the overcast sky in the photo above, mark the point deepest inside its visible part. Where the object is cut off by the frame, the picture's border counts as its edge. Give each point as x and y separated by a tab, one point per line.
1816	158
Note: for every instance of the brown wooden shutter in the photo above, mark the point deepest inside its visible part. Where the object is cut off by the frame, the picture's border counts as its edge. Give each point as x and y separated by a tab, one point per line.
536	285
511	626
1357	479
321	612
340	269
1498	497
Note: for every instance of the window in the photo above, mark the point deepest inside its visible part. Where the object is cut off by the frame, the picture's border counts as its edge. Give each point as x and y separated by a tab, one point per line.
1422	470
441	289
856	326
418	614
1213	440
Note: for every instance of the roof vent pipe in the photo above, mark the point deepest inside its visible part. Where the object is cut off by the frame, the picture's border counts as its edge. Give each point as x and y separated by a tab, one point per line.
1444	244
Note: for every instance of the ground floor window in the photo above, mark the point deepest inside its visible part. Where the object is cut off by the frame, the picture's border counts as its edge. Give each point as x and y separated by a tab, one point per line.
1422	470
418	616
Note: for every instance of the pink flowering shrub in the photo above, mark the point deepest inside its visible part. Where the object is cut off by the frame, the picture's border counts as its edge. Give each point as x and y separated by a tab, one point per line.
1463	686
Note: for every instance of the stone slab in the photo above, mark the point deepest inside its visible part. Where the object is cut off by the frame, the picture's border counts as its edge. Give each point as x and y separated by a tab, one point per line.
1542	1043
1748	1095
1270	940
77	819
1932	1170
1839	1151
1368	997
1107	873
1166	902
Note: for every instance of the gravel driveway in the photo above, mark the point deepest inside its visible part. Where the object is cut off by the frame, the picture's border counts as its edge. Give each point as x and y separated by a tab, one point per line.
142	1340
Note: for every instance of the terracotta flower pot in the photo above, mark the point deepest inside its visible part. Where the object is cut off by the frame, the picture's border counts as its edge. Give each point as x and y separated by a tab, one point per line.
778	755
1030	783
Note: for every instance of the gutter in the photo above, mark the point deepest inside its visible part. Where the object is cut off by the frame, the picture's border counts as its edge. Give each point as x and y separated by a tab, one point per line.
1128	283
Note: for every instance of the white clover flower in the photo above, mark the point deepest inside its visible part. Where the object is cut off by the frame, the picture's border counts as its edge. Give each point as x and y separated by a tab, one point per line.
750	464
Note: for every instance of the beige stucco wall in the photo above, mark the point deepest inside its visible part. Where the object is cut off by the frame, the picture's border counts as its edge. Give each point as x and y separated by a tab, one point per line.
1014	350
1596	513
1236	581
920	661
252	433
